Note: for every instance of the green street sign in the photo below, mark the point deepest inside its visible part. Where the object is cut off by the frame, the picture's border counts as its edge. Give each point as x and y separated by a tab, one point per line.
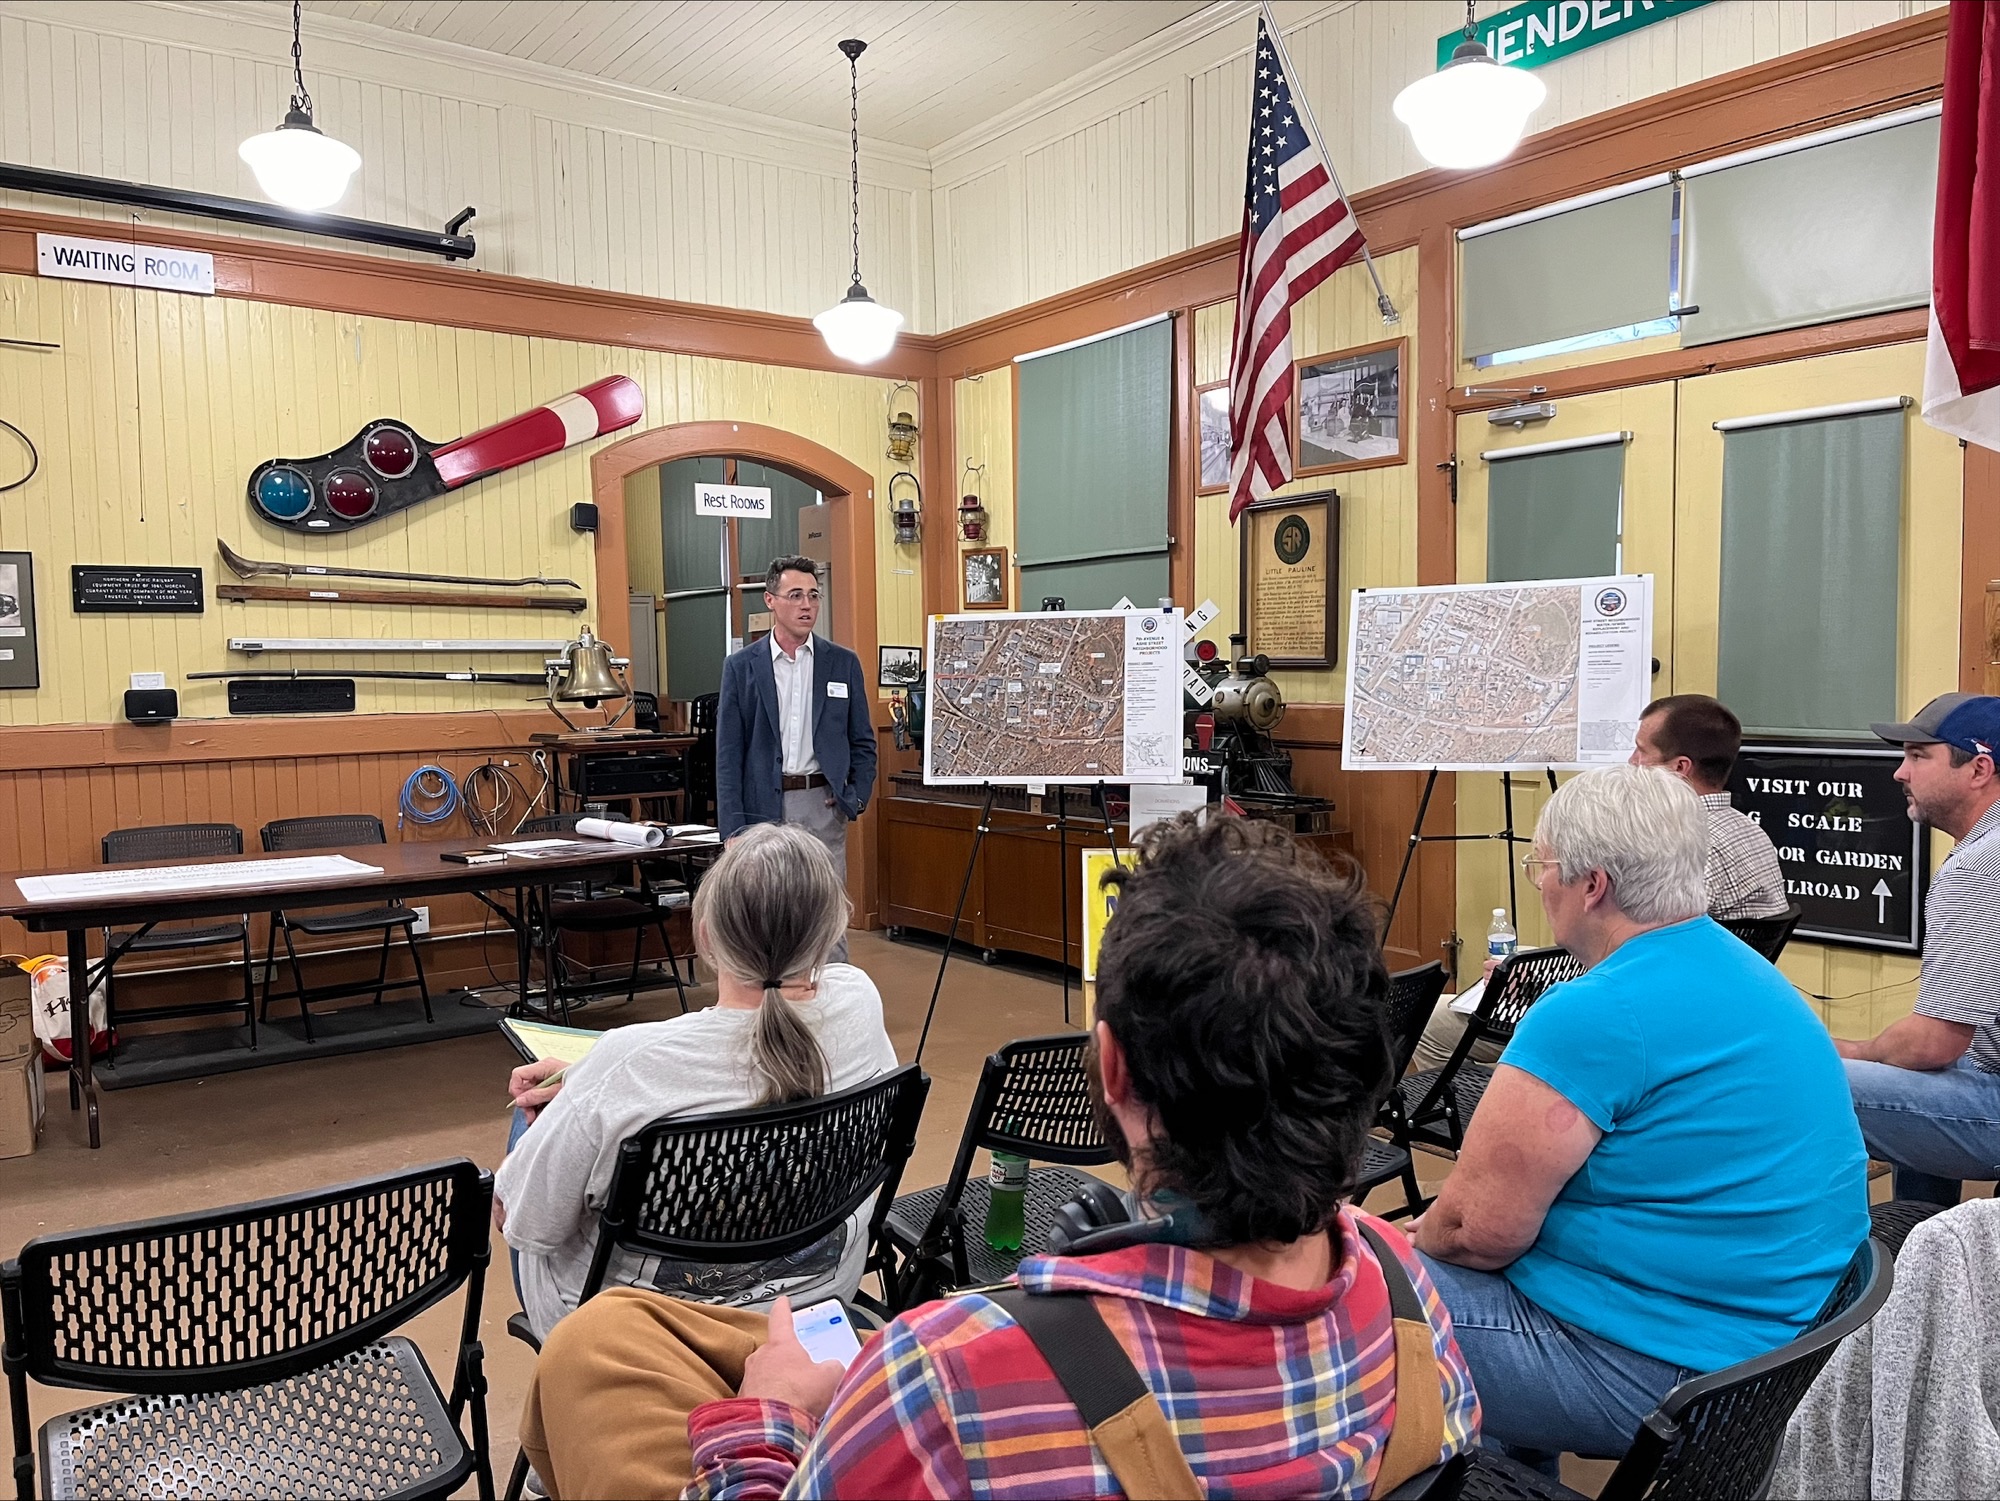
1527	36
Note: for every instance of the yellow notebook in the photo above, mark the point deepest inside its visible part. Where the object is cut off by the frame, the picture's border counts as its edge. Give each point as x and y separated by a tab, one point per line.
534	1040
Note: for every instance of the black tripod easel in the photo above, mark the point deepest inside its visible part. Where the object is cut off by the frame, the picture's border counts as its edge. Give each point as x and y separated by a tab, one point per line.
951	933
1506	835
1061	826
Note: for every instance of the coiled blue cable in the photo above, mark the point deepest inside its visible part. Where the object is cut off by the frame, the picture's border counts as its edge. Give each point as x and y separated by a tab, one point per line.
430	795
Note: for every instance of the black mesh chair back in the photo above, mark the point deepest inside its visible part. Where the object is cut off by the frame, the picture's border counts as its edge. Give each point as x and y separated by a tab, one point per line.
323	831
1519	982
1767	935
172	842
251	1294
1719	1434
750	1185
1034	1099
702	717
1413	995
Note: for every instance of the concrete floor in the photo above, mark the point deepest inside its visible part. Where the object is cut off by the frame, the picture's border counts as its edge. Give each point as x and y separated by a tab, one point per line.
251	1135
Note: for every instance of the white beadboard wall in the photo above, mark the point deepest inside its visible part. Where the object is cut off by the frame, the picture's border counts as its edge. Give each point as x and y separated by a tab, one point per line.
575	180
1147	159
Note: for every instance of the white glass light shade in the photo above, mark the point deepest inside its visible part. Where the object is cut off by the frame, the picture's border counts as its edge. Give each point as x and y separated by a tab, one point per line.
299	167
1471	112
859	329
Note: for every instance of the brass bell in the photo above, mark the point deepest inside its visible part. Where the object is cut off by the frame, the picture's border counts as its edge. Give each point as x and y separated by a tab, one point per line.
586	673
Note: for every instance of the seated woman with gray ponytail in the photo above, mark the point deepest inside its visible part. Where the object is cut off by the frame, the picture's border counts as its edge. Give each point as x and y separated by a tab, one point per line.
786	1025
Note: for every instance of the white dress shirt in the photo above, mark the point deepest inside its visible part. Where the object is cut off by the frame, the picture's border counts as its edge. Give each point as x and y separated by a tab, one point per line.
795	706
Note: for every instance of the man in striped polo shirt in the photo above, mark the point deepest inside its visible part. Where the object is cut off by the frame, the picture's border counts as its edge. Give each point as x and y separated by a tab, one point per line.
1927	1088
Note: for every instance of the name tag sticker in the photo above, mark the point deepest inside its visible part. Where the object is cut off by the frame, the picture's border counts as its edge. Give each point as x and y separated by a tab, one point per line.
836	690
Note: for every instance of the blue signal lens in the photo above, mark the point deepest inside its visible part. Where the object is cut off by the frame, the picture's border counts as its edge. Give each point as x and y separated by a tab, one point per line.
283	494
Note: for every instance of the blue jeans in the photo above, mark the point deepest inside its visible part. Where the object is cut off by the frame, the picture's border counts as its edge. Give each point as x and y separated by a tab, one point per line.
1546	1388
516	1129
1936	1127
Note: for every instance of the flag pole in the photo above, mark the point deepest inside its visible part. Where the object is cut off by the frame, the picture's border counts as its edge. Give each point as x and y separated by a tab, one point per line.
1382	302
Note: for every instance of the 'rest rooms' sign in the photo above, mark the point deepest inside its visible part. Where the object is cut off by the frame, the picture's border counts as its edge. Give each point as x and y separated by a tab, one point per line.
1853	861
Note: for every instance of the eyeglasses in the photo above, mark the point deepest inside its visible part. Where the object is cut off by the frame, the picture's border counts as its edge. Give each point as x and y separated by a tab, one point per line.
799	596
1534	865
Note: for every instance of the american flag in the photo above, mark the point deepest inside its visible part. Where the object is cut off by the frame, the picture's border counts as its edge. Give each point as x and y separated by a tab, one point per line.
1297	231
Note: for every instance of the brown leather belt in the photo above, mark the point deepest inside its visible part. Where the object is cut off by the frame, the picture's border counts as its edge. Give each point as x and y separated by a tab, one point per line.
799	784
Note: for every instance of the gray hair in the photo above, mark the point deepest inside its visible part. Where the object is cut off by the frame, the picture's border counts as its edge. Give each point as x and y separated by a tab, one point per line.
771	910
775	574
1643	827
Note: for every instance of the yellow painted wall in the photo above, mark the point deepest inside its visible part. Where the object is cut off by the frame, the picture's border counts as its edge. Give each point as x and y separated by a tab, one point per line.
157	406
1378	507
983	427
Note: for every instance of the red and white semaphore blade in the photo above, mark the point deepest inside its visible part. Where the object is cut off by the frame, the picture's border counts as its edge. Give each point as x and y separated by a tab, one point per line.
388	466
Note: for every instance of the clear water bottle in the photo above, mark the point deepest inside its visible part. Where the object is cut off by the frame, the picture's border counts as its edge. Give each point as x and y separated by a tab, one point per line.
1008	1183
1501	939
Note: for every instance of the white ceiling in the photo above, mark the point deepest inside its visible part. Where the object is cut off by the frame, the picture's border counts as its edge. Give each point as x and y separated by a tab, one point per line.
933	69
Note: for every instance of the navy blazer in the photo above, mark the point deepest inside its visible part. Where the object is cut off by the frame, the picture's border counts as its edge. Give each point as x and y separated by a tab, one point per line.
750	749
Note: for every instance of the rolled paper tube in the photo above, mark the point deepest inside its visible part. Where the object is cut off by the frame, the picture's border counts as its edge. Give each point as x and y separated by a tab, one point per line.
645	835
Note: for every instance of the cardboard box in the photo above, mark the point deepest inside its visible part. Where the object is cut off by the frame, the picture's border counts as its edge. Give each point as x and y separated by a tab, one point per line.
17	1028
21	1104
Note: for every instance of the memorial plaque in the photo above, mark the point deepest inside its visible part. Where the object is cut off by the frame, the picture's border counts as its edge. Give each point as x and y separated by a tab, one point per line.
1853	860
1291	563
106	589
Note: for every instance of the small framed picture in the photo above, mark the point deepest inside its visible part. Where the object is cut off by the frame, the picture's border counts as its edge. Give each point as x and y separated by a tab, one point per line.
899	666
1212	422
1350	409
985	578
19	657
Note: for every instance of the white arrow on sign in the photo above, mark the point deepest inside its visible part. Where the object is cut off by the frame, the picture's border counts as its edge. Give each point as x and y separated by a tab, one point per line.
1881	893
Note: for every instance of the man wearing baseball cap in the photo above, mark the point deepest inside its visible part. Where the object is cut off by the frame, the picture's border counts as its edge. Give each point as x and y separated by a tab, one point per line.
1927	1088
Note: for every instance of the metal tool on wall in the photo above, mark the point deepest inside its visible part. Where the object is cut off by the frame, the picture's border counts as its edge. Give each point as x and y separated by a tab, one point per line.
458	599
388	466
403	674
250	568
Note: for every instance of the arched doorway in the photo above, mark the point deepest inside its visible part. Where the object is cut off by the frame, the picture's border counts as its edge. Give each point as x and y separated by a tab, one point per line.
850	496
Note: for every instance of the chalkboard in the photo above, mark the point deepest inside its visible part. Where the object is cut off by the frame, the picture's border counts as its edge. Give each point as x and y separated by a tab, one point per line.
1853	860
105	589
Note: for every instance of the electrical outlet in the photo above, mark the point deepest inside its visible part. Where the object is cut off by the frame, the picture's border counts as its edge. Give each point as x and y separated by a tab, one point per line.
423	919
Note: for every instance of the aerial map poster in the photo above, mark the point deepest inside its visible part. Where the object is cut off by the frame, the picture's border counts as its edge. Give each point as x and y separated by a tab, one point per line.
1077	696
1483	677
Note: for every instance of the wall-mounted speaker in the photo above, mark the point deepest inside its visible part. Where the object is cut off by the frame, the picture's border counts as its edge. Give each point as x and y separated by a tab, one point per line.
583	517
152	705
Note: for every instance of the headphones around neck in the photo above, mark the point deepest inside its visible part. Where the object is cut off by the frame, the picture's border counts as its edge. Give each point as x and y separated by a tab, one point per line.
1100	1219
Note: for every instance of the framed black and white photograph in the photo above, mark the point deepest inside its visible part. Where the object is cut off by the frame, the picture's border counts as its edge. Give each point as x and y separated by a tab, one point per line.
899	666
1212	413
985	578
19	657
1350	409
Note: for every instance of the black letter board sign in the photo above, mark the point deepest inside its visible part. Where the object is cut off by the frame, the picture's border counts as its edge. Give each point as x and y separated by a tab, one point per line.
1853	861
105	588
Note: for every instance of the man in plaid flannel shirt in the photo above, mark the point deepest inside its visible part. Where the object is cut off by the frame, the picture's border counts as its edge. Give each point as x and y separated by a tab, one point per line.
1238	1061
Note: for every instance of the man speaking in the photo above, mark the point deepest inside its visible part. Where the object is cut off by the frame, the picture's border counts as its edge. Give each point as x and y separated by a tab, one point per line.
794	738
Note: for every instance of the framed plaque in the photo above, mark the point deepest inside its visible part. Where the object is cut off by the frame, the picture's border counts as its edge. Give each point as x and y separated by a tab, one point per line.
19	659
104	589
1291	566
1350	409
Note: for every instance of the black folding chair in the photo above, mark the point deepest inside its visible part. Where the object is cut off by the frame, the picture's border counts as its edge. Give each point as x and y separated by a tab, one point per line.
752	1185
1033	1099
328	831
1767	935
588	906
1432	1107
177	844
1719	1434
1413	995
257	1341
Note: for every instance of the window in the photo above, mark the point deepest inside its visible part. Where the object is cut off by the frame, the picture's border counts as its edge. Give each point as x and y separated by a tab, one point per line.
1095	436
1556	510
1812	510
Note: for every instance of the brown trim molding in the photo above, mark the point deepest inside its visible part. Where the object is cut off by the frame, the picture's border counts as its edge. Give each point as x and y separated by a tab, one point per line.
77	747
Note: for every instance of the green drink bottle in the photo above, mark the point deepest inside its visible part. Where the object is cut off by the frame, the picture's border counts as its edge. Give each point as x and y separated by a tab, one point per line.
1008	1183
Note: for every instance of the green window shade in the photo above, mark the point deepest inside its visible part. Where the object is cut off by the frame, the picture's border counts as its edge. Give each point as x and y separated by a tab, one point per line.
1096	433
1831	231
1811	563
763	538
1599	267
691	565
1555	515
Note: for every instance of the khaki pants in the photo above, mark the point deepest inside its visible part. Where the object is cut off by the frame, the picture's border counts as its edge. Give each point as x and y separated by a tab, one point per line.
1442	1035
607	1410
814	810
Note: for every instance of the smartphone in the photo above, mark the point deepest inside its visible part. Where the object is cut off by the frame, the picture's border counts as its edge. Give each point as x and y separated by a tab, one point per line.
827	1332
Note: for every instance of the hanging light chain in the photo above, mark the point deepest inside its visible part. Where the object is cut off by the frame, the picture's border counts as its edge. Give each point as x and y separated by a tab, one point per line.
854	138
301	100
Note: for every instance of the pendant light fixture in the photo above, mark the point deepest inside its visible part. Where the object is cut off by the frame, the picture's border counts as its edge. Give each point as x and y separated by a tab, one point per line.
1471	112
857	328
295	164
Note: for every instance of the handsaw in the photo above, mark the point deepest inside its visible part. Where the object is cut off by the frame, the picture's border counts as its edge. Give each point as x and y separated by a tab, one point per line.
250	568
388	466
